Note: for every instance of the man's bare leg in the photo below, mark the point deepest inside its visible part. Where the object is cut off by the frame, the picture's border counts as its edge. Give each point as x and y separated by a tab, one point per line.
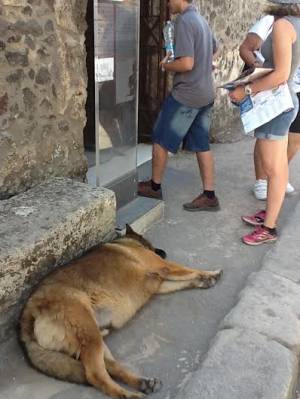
293	145
259	171
207	169
152	188
293	148
159	162
207	201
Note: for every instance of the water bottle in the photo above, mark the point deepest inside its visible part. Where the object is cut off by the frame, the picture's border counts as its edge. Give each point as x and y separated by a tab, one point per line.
168	32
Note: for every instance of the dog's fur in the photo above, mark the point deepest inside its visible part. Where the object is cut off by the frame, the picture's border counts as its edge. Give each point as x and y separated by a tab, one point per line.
65	319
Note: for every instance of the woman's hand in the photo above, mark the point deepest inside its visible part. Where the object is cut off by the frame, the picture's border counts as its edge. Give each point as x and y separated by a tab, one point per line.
238	94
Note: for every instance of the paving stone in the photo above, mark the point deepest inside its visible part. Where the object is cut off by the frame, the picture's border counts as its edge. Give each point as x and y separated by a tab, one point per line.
243	365
270	305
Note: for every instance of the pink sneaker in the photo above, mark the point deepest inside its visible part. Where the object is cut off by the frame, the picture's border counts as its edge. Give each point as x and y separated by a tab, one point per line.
255	220
260	235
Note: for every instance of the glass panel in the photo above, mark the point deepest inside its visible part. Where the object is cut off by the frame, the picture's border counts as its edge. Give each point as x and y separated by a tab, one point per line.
116	66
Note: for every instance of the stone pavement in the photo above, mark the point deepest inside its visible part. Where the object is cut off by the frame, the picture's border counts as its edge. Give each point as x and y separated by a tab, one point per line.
256	352
237	340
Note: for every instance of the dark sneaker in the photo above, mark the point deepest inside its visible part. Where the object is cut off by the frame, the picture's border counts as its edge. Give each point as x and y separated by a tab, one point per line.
202	203
145	190
260	235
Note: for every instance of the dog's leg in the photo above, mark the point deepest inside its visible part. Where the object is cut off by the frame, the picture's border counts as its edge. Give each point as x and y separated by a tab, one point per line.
92	357
119	372
181	277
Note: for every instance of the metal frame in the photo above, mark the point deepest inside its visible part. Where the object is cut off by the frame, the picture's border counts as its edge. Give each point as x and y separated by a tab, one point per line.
125	187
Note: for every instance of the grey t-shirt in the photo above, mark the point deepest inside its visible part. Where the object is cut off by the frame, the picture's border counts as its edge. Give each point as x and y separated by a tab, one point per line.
194	38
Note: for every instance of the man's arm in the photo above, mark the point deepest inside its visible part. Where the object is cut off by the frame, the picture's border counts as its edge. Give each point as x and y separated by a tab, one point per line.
252	43
182	64
184	49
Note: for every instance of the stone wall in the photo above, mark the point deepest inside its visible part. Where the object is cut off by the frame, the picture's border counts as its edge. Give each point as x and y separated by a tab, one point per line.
42	91
230	20
43	84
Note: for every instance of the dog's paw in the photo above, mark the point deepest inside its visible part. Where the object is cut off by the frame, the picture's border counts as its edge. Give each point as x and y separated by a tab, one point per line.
218	274
210	280
150	385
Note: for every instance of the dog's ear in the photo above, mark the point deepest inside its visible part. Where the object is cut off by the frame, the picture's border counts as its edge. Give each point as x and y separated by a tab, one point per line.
129	230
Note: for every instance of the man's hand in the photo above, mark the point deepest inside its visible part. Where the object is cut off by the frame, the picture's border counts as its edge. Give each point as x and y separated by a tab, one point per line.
164	61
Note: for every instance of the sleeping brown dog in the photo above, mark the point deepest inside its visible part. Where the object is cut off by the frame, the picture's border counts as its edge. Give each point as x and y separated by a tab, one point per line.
66	318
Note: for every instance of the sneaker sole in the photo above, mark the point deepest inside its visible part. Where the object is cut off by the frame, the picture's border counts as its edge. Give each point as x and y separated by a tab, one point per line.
265	199
249	223
261	199
254	244
208	209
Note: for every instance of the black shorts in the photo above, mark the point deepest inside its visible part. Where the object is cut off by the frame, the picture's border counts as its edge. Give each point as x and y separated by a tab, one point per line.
295	126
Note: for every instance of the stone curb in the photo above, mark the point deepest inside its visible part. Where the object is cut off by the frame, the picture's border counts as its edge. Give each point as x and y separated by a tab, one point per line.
256	353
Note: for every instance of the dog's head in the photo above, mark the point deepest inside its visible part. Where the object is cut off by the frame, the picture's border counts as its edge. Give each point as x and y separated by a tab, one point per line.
147	244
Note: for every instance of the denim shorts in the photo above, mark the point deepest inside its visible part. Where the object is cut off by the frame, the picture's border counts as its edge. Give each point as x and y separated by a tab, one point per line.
177	122
278	128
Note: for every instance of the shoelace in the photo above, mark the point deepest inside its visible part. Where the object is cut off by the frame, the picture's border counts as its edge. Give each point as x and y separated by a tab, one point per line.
259	219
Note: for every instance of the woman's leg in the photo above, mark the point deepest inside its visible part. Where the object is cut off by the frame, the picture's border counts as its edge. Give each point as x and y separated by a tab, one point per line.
275	164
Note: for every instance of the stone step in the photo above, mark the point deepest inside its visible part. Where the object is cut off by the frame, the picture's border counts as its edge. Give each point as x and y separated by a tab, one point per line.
141	214
43	228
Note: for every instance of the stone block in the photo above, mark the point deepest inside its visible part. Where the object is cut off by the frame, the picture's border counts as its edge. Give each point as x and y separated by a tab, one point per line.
269	305
43	228
243	365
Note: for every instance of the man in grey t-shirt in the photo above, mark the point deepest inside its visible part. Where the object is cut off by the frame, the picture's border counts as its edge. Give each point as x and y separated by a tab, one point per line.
186	113
194	39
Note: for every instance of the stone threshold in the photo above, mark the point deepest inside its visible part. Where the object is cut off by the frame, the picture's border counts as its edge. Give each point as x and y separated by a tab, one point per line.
141	214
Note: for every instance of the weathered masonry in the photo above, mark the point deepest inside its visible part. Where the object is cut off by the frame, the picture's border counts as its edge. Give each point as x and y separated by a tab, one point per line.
46	122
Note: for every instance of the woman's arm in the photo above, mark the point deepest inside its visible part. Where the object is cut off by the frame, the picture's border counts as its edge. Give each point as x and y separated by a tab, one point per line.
284	35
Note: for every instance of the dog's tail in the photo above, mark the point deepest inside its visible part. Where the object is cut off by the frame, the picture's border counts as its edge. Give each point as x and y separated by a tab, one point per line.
53	363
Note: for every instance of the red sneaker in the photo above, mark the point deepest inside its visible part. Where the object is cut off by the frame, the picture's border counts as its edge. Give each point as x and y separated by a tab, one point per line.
261	235
255	220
